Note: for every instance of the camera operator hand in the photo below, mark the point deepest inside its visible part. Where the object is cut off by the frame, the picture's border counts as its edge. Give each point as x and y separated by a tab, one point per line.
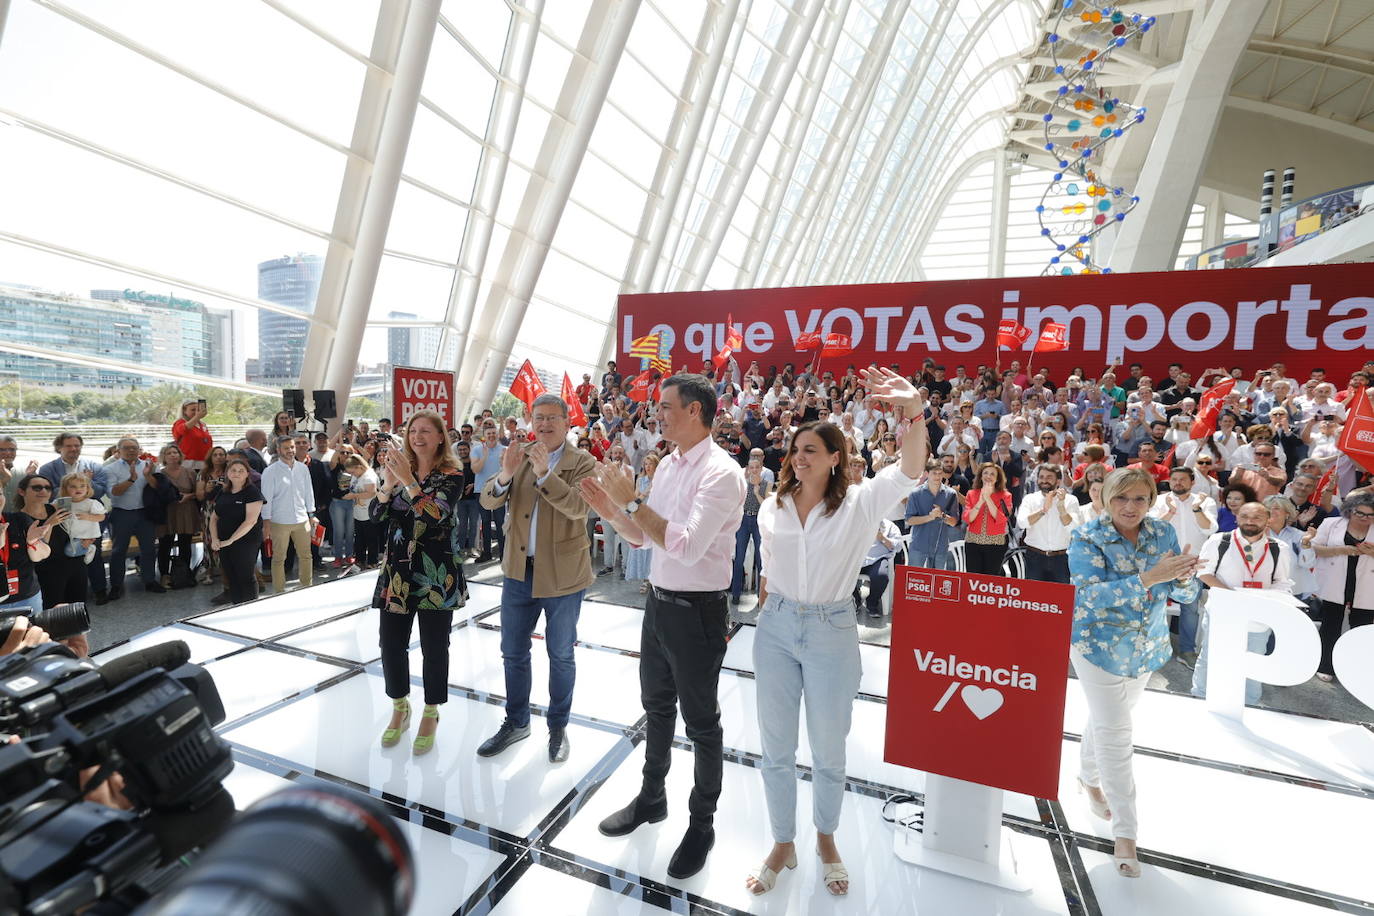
109	793
23	636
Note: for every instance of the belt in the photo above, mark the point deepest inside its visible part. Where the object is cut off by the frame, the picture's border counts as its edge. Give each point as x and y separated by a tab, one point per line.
1047	553
687	599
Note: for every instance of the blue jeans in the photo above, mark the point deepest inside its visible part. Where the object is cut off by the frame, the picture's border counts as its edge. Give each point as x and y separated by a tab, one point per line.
1188	615
341	527
468	517
748	531
939	560
125	524
519	614
811	649
986	443
27	606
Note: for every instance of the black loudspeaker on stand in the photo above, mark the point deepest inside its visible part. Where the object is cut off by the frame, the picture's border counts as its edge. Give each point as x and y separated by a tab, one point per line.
325	408
293	402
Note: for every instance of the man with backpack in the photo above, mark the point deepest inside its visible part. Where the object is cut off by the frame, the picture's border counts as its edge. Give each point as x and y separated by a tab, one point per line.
1248	557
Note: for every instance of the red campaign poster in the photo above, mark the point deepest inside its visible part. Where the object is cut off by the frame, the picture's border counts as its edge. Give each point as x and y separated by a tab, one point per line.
422	389
1309	316
978	673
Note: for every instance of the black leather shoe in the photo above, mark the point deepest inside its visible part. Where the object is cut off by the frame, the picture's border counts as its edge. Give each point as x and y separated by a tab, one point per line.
116	594
559	746
102	596
691	853
628	818
221	598
505	736
154	587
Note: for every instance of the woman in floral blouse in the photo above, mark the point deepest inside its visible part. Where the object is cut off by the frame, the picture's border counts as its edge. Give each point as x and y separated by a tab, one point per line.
422	573
1125	567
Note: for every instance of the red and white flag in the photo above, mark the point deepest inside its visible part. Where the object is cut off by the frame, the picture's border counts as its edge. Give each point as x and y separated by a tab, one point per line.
837	345
576	415
807	342
642	385
1012	334
1357	435
526	385
1052	338
1209	409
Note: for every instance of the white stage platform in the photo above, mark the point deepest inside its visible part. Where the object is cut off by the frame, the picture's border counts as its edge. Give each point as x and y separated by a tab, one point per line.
1275	818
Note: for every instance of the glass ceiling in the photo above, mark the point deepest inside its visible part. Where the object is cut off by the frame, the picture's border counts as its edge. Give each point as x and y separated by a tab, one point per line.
158	146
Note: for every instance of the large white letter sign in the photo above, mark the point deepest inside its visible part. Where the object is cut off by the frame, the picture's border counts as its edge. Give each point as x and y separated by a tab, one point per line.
1297	650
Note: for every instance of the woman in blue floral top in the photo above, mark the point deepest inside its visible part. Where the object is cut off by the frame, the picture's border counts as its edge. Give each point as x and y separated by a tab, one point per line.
416	510
1125	566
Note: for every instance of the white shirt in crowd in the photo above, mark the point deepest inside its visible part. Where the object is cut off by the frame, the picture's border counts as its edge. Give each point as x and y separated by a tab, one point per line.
816	563
290	499
1187	523
1050	532
1233	570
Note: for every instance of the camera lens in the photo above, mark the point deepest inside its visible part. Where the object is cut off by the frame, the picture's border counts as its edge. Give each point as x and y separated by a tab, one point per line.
303	851
63	621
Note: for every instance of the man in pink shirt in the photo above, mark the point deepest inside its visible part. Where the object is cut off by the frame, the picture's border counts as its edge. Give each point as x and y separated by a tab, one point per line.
690	519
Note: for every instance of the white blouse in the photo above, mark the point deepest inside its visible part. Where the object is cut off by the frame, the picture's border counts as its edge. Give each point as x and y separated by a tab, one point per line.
818	562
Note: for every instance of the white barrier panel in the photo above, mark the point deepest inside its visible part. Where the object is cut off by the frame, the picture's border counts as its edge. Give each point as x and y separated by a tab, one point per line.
1353	659
1297	650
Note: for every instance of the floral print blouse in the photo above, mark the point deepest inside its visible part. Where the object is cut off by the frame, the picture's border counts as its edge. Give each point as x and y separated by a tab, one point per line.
422	566
1118	624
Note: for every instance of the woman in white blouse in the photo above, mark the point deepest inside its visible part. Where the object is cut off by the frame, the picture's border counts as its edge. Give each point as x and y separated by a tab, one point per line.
815	532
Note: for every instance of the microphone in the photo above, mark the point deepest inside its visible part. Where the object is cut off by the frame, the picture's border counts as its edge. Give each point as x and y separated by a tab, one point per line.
167	655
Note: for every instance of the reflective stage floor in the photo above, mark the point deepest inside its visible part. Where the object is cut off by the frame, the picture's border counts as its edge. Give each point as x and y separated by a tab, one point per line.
1275	818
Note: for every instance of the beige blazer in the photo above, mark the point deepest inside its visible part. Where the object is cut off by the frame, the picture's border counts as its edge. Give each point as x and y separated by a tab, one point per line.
563	558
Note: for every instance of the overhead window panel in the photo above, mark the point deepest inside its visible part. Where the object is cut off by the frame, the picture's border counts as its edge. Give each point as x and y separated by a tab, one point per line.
294	72
482	23
565	280
608	193
643	99
67	77
442	156
684	15
658	47
513	193
590	239
410	286
425	225
565	19
353	23
617	140
546	339
133	217
548	72
457	83
530	132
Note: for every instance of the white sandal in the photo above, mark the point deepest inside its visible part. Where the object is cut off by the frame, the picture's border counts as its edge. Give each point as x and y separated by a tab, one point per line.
1099	808
767	878
1127	866
833	873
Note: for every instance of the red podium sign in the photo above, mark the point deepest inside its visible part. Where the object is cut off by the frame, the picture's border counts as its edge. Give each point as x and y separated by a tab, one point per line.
978	672
422	389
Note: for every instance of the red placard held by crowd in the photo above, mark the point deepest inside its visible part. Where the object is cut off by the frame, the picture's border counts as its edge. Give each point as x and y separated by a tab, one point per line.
422	389
978	672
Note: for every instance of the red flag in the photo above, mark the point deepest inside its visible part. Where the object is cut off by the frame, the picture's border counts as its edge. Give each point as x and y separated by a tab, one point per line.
641	385
837	345
576	415
1321	484
1209	409
1357	436
526	385
1012	334
1168	459
1052	338
733	338
808	342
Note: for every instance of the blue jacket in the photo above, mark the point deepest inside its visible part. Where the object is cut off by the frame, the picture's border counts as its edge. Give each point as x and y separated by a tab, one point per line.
56	469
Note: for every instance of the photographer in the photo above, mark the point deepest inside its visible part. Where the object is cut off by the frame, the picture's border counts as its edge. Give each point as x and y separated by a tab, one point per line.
190	434
24	542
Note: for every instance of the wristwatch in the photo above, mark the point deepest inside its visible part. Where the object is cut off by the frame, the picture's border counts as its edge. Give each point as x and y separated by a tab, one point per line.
633	505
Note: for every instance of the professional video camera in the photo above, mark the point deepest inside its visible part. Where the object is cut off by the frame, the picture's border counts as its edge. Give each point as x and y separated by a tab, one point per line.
59	852
61	621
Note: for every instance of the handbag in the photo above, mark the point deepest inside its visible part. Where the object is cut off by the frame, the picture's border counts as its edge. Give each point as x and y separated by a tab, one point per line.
180	572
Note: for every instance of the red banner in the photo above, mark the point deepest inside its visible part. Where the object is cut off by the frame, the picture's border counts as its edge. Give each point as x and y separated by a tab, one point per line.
422	389
1321	315
1209	409
576	415
1357	435
977	678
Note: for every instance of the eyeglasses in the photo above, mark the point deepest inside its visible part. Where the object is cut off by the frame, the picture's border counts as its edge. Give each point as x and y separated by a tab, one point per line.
1359	514
1204	461
40	486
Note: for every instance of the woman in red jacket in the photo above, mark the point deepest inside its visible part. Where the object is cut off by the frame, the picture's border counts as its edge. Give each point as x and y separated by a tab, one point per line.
191	435
987	512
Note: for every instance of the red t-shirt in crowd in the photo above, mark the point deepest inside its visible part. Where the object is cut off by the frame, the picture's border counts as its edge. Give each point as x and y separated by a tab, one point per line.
195	442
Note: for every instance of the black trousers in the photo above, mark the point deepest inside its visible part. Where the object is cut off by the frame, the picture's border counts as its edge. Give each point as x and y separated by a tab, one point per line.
1046	569
395	643
165	544
237	562
493	528
877	587
365	537
681	650
985	559
1333	617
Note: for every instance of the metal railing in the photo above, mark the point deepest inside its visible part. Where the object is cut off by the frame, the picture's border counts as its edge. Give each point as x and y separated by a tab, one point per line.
1298	223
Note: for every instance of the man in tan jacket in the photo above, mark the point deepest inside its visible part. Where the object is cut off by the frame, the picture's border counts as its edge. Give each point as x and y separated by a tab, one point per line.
547	566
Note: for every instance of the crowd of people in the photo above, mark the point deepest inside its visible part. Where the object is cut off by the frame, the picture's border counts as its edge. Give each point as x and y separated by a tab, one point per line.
804	487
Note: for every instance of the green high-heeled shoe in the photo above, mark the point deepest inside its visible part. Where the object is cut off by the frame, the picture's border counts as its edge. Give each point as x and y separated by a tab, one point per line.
423	744
392	736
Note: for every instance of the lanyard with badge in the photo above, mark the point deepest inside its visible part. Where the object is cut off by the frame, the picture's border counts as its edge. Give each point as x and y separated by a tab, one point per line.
1252	579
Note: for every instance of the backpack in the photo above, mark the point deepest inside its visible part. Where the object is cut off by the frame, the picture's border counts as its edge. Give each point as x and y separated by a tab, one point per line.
1273	554
180	573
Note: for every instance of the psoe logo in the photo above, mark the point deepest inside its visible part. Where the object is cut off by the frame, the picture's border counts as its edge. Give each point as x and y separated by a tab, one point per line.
920	585
948	588
1364	435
